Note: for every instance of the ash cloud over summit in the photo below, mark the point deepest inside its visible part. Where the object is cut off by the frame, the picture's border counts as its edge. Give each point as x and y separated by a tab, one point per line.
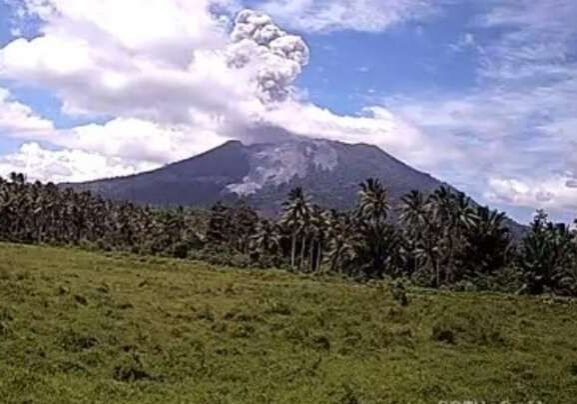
177	78
276	57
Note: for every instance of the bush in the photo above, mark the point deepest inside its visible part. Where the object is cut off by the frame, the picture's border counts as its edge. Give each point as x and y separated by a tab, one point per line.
130	369
75	342
480	330
444	333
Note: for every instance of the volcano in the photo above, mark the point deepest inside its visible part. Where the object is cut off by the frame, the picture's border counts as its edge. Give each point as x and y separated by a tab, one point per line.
263	174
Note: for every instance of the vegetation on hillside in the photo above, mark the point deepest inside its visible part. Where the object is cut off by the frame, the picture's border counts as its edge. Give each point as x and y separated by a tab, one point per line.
439	240
85	327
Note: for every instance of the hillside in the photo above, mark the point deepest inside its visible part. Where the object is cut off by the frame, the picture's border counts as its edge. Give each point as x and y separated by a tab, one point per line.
263	174
83	327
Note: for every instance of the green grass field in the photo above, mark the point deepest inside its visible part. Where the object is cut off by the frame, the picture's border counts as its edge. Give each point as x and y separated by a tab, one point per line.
85	327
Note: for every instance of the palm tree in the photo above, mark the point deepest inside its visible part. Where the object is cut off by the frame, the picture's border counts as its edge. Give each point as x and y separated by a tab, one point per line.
547	255
317	232
376	242
414	218
373	201
423	236
244	223
296	220
452	214
339	232
488	243
266	241
18	178
413	212
219	225
340	253
38	213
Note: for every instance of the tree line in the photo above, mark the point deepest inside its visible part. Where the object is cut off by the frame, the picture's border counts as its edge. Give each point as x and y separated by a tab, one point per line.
441	239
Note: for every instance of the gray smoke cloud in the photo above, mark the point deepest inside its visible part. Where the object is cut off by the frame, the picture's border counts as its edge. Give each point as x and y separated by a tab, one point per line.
571	183
276	56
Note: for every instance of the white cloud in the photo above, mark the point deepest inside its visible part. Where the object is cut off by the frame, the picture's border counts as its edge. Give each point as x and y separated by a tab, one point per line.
162	61
356	15
536	41
170	30
18	119
517	128
93	79
173	83
160	72
138	140
125	146
555	193
65	165
378	126
466	42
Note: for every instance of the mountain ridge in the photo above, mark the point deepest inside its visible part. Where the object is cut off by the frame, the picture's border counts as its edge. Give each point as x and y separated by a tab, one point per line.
224	172
262	174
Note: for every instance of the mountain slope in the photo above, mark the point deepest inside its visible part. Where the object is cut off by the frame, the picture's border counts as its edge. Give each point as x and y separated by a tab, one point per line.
263	174
196	181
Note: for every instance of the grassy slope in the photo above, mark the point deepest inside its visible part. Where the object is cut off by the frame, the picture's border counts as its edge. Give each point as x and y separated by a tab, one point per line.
74	326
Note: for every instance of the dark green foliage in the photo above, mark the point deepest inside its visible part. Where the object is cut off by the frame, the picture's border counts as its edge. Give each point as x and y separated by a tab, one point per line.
399	291
46	214
447	240
438	240
487	248
548	257
219	231
376	241
442	333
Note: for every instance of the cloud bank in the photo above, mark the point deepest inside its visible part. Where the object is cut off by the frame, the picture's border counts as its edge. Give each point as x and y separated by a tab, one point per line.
179	79
516	129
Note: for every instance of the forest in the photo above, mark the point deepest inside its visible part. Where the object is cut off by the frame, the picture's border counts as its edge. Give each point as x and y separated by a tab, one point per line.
439	240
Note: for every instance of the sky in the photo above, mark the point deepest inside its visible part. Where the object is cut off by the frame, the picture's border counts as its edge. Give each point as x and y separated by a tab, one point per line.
480	93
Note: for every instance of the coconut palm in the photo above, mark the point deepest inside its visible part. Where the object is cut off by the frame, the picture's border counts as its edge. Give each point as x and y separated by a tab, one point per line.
375	242
488	244
547	255
266	241
317	232
296	220
373	201
339	233
244	224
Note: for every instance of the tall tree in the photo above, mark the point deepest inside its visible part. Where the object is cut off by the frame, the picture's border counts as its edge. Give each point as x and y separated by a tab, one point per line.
296	220
488	244
547	255
266	241
376	241
219	225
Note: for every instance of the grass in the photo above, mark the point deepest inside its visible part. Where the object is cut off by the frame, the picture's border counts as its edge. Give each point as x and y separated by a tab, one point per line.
85	327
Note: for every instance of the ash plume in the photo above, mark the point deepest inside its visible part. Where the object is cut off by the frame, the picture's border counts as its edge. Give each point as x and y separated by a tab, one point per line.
275	57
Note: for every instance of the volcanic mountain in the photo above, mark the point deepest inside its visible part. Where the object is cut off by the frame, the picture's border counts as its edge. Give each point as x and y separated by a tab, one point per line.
263	174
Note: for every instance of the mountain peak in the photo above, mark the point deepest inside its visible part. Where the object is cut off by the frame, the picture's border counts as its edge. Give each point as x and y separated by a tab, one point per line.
279	163
263	174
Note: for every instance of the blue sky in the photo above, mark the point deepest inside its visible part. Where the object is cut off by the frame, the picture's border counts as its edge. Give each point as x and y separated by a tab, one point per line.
409	59
479	93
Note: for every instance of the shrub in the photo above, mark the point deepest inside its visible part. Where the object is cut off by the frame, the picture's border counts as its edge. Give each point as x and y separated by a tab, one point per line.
130	369
480	330
444	333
